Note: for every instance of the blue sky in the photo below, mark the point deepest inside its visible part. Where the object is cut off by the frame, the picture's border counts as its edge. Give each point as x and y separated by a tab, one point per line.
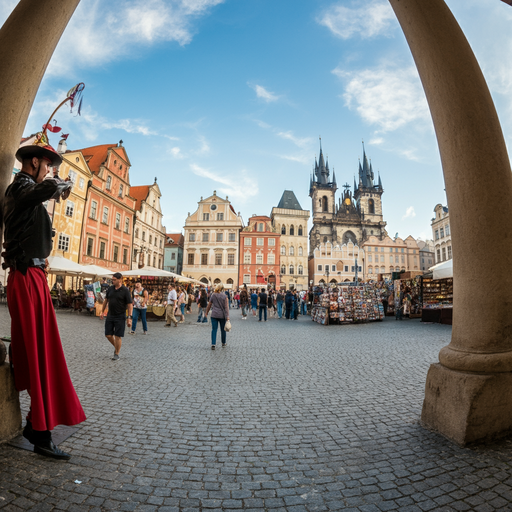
233	95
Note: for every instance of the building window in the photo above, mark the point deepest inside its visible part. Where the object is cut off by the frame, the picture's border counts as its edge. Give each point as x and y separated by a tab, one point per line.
206	237
204	259
247	259
192	237
259	259
370	258
102	250
105	215
220	237
259	241
300	251
118	221
136	232
134	254
319	268
120	190
300	230
449	252
72	176
143	236
390	258
232	237
283	269
94	209
271	242
333	268
81	183
437	234
116	253
292	230
70	208
346	268
371	206
441	233
438	255
247	278
397	260
231	259
283	250
220	216
125	256
218	258
382	258
292	270
260	227
283	230
173	256
403	250
300	270
109	182
403	259
126	225
370	270
247	241
150	239
271	259
190	258
447	229
292	251
90	246
206	216
63	242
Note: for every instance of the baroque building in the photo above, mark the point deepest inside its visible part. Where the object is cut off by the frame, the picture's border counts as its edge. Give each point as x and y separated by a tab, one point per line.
355	217
291	222
441	233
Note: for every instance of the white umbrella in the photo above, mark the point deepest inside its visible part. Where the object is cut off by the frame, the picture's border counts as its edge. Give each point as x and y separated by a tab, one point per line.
149	272
60	265
96	270
442	270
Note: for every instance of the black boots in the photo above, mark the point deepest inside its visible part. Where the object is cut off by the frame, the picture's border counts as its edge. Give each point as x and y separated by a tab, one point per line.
43	444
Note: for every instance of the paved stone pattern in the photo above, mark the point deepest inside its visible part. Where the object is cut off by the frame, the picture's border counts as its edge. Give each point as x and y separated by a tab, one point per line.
290	416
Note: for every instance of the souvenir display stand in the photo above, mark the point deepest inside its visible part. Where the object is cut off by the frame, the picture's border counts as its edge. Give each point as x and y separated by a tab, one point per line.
157	288
345	304
437	300
410	289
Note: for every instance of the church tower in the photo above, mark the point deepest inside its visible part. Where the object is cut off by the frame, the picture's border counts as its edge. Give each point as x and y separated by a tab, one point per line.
322	192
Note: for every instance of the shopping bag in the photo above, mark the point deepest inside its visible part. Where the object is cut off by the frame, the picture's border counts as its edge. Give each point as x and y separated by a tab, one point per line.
227	327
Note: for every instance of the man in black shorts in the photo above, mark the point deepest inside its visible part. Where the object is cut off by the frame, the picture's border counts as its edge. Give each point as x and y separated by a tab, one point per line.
119	299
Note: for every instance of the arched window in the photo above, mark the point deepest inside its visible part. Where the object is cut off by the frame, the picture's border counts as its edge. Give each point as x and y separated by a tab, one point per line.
300	230
300	270
229	281
217	281
300	251
382	270
283	250
292	270
292	251
283	269
370	270
292	230
324	204
283	230
371	206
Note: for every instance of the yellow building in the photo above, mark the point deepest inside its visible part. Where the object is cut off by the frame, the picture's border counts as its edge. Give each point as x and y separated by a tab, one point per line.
68	215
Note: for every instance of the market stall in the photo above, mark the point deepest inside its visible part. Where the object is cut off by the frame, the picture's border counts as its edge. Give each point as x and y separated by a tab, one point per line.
437	300
343	304
407	295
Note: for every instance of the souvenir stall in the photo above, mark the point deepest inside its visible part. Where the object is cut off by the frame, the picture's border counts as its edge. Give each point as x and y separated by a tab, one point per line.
437	300
343	304
409	289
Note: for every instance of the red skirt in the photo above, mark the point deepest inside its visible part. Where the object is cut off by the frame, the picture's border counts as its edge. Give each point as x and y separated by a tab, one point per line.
37	355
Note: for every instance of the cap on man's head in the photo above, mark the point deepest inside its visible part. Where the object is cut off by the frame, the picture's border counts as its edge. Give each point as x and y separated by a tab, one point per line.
118	275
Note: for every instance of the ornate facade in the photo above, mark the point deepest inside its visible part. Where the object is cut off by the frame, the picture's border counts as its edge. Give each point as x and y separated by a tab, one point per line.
355	217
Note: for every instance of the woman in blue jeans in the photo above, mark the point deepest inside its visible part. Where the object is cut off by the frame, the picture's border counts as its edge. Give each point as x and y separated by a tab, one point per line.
220	313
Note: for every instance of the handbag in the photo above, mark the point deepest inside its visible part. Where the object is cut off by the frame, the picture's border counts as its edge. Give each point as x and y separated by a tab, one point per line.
227	327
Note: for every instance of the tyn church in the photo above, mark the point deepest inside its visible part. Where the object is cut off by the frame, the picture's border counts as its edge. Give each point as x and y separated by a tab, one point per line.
355	217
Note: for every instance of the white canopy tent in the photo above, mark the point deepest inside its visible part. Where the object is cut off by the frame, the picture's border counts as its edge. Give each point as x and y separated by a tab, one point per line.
442	270
149	272
61	266
96	270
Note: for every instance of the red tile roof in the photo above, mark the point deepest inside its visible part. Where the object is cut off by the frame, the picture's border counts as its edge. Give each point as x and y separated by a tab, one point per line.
139	194
95	156
177	237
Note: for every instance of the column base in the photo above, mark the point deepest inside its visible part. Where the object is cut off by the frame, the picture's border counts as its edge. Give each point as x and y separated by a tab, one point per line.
467	407
10	413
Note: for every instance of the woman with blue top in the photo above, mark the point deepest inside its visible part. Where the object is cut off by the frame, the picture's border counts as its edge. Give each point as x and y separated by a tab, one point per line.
254	302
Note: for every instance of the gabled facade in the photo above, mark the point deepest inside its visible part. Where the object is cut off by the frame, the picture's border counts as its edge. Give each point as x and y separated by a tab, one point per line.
441	234
291	222
356	216
173	252
148	233
212	240
259	254
110	209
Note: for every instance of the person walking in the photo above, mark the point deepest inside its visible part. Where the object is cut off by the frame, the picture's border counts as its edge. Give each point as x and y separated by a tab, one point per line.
295	307
37	357
219	305
244	302
180	309
254	302
288	303
303	303
263	301
118	299
202	305
171	304
280	302
140	306
271	305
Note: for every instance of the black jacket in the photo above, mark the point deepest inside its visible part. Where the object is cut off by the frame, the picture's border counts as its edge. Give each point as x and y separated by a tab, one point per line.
28	228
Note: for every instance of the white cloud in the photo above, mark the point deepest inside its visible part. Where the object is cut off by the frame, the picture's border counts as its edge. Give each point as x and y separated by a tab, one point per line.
205	146
100	32
389	97
176	152
301	159
373	19
298	141
409	213
263	93
240	187
376	141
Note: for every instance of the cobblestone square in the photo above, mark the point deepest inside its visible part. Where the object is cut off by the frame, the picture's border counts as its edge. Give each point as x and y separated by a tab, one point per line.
290	416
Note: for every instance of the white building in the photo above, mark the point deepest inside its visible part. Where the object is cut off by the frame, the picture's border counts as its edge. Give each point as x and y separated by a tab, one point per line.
441	234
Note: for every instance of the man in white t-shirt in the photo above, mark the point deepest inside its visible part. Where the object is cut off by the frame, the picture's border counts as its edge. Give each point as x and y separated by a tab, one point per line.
171	303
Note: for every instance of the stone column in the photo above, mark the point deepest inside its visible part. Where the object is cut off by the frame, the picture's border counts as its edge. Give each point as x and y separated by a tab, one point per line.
27	41
468	395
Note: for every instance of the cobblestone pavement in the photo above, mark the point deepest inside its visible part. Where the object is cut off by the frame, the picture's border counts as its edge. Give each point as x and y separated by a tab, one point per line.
290	416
